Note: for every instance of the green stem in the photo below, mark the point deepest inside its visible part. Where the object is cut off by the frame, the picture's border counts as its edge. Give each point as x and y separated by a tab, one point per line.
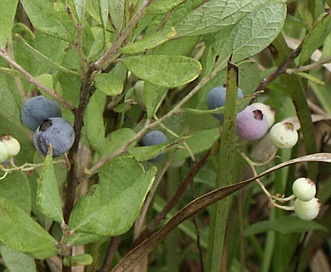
225	175
296	90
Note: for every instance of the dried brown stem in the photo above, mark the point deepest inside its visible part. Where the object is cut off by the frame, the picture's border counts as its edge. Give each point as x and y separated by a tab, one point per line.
281	69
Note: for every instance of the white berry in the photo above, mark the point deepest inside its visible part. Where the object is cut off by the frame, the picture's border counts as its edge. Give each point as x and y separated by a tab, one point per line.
3	152
307	210
304	189
12	145
283	135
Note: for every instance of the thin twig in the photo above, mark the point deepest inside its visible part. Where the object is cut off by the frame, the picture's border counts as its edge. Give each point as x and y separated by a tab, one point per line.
34	81
112	248
281	69
112	52
308	67
197	230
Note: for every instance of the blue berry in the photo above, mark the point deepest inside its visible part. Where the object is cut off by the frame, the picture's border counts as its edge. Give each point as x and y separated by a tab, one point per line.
38	108
55	131
217	97
153	138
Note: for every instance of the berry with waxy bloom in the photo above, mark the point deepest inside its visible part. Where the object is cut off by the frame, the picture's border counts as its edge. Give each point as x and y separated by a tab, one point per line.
251	124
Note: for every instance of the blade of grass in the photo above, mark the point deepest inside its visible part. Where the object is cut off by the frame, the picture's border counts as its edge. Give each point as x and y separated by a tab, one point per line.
225	174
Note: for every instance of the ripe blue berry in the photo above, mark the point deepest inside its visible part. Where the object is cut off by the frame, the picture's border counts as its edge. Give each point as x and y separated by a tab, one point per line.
217	97
153	138
251	124
38	108
57	132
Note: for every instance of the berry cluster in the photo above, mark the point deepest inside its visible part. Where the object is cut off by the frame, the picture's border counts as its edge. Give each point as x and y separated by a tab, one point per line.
255	120
44	117
253	123
306	205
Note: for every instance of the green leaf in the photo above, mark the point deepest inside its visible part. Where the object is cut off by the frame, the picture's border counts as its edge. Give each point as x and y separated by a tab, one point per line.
149	41
44	59
108	84
11	72
7	14
144	153
311	78
10	112
284	224
80	8
117	139
161	70
48	196
151	95
163	6
215	14
97	46
111	207
81	238
315	37
205	138
46	18
20	232
77	260
103	4
116	10
93	121
21	197
257	30
17	261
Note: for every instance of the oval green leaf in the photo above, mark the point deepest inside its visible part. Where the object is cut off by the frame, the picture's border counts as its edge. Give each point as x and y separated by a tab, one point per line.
48	197
111	207
149	41
7	13
165	71
20	232
17	261
108	84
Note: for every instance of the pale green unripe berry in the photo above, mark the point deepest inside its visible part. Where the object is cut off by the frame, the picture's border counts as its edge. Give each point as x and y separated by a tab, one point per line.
139	93
12	145
3	152
307	210
284	135
268	112
304	189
